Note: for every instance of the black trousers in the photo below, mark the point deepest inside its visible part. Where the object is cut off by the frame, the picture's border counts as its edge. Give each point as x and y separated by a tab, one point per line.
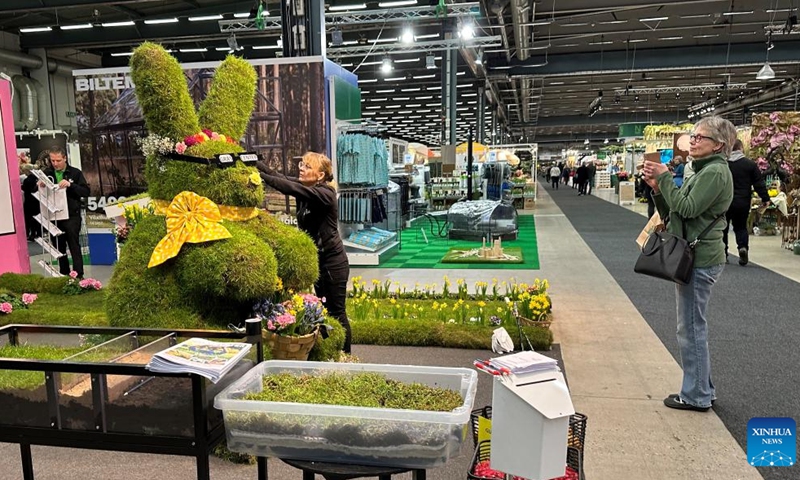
582	186
70	238
332	284
554	181
737	218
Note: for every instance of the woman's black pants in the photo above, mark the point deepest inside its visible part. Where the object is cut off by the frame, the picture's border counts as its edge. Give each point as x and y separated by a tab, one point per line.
332	284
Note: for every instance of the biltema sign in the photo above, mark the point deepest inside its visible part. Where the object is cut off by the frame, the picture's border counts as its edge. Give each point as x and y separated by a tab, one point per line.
84	84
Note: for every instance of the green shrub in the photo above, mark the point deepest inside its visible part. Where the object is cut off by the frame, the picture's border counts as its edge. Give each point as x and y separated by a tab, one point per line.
298	268
431	333
162	92
31	283
328	349
230	99
242	268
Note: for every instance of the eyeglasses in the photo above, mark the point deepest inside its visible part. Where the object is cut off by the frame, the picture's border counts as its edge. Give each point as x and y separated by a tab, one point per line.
302	165
696	137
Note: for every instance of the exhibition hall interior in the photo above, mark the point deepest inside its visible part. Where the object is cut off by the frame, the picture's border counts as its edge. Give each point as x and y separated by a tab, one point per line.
411	239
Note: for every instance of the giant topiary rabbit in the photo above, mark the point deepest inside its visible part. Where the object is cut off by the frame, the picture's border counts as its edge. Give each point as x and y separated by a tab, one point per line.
213	281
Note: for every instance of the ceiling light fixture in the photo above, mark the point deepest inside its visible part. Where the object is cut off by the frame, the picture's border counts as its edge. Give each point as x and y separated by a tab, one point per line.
340	8
192	50
766	72
35	29
407	36
654	19
430	62
744	12
467	31
129	23
205	18
159	21
76	27
397	3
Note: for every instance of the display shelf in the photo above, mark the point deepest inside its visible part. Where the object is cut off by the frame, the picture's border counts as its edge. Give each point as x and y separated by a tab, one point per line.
50	249
348	243
373	258
44	203
48	225
49	269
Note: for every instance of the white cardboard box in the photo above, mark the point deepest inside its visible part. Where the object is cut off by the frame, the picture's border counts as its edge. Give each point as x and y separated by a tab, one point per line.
530	424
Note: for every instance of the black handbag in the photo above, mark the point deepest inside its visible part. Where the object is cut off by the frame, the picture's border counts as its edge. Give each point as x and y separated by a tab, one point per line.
670	257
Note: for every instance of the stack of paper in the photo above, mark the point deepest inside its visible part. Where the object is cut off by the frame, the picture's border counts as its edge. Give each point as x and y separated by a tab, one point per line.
524	362
198	355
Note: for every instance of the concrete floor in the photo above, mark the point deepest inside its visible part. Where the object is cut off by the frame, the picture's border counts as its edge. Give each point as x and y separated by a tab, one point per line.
618	372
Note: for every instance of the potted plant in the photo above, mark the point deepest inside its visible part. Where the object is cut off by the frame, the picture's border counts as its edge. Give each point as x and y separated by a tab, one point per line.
291	328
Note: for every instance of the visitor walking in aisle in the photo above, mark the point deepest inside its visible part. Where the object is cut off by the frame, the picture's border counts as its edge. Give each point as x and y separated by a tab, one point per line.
582	177
318	216
592	172
746	178
72	179
555	174
701	203
565	174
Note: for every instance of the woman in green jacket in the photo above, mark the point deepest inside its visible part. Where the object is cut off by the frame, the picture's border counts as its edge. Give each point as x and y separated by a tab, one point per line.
703	198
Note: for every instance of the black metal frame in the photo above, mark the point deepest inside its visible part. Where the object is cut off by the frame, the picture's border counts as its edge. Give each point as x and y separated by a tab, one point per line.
199	445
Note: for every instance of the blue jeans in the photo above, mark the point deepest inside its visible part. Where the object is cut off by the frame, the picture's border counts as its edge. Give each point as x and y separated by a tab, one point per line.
692	301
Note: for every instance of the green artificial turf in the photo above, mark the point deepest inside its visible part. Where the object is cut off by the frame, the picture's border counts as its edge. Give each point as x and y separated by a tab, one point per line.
26	380
415	252
454	255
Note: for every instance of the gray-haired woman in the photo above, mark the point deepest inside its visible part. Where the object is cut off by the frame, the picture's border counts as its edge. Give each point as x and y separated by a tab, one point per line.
704	198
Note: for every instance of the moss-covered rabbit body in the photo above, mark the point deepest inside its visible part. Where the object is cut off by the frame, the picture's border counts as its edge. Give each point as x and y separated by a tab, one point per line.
217	280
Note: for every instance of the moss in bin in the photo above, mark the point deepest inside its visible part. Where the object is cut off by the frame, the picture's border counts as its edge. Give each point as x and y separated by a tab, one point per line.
366	389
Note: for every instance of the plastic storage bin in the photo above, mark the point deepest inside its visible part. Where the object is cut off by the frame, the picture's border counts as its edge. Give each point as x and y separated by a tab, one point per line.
357	435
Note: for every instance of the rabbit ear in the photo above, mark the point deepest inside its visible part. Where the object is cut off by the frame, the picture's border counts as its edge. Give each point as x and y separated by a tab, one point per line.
230	100
162	93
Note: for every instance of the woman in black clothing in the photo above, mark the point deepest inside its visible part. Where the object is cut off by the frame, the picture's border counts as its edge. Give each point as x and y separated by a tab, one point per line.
318	216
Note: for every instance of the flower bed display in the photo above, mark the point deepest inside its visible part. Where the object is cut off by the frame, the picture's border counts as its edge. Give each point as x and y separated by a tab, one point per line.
366	435
775	146
496	306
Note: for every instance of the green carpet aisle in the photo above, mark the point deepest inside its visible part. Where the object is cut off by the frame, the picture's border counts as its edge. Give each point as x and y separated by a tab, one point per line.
416	253
753	335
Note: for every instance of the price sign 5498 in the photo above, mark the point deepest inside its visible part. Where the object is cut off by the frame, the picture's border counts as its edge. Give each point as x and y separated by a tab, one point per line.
98	203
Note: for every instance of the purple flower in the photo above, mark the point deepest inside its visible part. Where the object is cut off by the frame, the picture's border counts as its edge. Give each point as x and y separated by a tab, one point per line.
774	117
778	140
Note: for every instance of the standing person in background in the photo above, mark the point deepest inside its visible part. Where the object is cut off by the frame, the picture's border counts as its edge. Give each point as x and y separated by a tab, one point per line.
565	170
678	165
72	180
582	177
555	174
746	178
700	204
592	173
688	169
318	216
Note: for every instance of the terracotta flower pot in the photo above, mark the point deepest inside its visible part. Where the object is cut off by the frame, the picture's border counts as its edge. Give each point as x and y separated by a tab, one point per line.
290	347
